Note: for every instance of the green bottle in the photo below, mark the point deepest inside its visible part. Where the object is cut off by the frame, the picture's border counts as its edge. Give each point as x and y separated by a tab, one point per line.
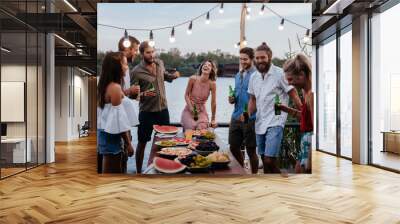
195	113
246	113
151	87
231	91
277	102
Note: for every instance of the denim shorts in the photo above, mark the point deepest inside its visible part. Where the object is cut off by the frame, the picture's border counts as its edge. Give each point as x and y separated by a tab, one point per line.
269	144
305	146
109	143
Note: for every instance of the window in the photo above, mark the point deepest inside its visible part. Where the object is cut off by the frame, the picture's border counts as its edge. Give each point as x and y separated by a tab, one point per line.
385	88
327	96
346	94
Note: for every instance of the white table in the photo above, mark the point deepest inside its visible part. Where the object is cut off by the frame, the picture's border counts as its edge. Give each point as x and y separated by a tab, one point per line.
17	146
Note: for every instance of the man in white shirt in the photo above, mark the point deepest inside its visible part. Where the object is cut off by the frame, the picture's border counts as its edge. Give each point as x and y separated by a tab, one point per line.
267	83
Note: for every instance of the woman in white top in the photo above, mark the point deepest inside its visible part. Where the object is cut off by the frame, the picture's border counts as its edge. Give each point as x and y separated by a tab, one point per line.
115	115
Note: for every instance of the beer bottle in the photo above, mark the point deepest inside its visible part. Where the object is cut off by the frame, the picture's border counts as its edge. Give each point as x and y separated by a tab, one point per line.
277	102
231	91
246	113
195	113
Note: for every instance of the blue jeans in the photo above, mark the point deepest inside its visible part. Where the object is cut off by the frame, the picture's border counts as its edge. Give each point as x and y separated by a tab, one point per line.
109	143
305	146
269	144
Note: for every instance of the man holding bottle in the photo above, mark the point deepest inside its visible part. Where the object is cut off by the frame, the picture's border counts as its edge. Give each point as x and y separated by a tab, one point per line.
241	129
150	75
266	87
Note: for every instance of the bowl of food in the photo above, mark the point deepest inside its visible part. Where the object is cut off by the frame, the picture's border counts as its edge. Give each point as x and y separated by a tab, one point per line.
220	160
205	148
196	163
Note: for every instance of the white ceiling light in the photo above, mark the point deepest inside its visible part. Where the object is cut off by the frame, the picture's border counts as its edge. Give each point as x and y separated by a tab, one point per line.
86	72
64	40
5	50
70	5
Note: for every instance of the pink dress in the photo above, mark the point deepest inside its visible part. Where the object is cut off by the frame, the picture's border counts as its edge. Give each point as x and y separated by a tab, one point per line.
199	95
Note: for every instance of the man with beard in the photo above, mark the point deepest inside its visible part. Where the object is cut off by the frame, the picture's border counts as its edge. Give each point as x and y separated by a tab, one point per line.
267	83
241	131
153	110
130	54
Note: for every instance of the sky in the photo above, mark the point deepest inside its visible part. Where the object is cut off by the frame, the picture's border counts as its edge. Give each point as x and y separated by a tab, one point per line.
222	33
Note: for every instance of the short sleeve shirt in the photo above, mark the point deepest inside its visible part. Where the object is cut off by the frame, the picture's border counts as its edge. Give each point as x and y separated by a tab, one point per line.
265	89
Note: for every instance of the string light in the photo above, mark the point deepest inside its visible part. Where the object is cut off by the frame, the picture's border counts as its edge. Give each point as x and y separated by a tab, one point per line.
172	37
281	27
126	42
221	8
262	10
189	30
151	42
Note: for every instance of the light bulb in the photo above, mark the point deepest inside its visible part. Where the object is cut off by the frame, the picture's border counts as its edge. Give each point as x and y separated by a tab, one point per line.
151	39
189	30
248	9
126	43
306	37
262	10
281	27
221	8
172	37
152	43
208	18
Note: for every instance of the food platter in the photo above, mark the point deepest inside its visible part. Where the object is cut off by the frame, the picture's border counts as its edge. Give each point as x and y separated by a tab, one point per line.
174	152
165	143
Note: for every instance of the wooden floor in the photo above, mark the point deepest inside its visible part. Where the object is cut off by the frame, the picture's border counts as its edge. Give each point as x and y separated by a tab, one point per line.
70	191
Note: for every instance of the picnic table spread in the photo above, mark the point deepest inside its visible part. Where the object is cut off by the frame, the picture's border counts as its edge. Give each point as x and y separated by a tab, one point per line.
232	168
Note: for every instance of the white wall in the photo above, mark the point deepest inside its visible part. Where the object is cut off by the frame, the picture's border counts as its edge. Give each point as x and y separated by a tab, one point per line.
70	83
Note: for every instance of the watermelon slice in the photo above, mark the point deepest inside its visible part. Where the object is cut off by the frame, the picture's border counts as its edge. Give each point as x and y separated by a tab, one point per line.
168	166
164	129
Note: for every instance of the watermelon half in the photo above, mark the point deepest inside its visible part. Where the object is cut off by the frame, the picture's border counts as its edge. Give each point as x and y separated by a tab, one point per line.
165	129
168	166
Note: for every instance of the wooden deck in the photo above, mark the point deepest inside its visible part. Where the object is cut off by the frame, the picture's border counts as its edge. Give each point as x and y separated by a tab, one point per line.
70	191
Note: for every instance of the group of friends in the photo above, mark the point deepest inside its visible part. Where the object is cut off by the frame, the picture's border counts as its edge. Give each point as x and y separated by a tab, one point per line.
257	85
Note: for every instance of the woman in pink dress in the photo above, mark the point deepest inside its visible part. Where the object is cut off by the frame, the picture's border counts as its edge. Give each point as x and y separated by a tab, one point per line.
197	92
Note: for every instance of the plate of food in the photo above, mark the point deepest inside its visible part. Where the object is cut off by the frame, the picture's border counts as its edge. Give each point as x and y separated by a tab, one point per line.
205	148
174	152
196	163
181	141
166	143
219	159
165	129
